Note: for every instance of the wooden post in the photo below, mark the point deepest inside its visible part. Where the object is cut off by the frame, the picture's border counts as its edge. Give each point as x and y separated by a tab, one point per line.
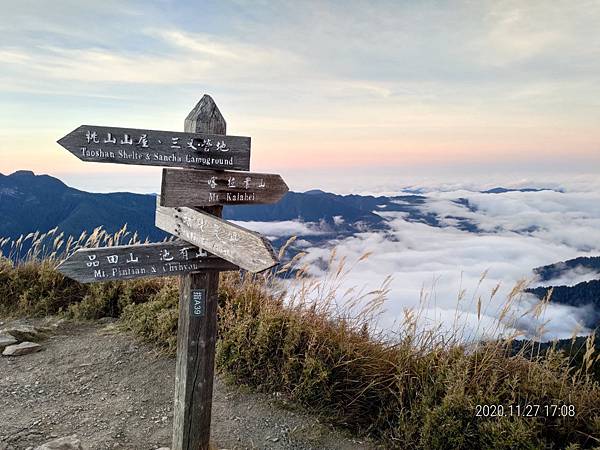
192	209
197	332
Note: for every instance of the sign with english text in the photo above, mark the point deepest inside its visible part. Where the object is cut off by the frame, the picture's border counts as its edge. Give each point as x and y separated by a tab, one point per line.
127	262
212	187
210	244
158	148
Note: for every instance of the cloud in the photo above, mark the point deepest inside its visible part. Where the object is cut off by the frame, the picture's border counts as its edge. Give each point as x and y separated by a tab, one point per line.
197	58
14	56
223	49
203	44
570	277
513	36
274	230
562	218
401	85
444	272
388	52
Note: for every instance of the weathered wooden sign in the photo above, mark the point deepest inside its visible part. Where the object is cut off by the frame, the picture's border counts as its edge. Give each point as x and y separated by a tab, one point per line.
158	148
205	146
245	248
126	262
211	187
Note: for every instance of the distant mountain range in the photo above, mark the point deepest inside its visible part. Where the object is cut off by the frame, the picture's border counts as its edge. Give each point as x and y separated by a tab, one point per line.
553	271
501	190
30	203
580	294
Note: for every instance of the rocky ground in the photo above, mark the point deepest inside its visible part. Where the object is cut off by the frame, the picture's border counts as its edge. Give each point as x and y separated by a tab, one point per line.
113	392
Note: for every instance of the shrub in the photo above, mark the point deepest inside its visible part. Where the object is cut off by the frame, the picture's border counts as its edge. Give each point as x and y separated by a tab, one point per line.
413	390
155	320
410	392
34	288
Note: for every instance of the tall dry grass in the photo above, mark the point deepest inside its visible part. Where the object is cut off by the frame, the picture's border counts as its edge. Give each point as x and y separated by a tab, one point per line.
54	245
417	388
316	344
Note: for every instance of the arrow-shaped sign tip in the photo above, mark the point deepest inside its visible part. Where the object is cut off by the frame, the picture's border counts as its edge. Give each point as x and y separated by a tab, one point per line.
62	140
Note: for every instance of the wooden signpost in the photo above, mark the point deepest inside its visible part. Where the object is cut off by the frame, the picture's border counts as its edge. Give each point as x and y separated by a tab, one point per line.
190	208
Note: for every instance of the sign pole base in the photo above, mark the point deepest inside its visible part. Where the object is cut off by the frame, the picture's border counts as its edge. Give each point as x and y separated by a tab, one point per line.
196	338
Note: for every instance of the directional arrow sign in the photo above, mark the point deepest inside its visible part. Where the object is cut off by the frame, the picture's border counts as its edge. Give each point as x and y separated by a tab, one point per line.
137	261
158	148
212	187
242	247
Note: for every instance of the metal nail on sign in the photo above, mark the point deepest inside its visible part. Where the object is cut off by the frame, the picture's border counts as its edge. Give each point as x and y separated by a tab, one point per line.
158	148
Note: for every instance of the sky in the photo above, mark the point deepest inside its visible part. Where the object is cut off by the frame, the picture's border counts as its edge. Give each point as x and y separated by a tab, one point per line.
346	96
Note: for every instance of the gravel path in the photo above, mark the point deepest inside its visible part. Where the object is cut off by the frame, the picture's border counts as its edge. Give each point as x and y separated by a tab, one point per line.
114	392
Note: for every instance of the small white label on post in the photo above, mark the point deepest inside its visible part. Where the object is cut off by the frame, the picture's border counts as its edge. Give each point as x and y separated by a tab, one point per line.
198	302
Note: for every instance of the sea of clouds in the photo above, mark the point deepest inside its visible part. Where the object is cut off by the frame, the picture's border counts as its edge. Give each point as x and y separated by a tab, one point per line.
443	272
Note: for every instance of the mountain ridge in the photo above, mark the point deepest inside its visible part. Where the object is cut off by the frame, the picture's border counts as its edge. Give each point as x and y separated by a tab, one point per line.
30	203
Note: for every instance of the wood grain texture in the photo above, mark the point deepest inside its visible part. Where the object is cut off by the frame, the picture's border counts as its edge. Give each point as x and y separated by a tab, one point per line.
242	247
182	187
205	117
158	148
127	262
196	336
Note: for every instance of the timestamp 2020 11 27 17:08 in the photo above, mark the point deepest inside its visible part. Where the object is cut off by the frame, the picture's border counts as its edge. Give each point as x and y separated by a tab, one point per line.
526	410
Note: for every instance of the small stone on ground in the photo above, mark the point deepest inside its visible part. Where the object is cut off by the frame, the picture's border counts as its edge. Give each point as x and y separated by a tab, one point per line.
6	340
22	332
64	443
24	348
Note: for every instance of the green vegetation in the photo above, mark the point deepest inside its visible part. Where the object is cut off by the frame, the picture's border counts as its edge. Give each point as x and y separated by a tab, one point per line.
415	390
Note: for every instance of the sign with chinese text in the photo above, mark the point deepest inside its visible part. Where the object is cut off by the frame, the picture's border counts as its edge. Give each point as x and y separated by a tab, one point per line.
211	187
198	303
242	247
158	148
137	261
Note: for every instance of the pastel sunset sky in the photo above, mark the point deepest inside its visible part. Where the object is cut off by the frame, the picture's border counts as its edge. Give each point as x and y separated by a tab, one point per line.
336	95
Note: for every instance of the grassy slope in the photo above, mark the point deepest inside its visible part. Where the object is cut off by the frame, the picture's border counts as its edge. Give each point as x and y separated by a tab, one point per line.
416	392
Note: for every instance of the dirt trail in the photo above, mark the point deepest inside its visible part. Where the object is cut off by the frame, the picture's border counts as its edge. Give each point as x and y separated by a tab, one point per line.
114	392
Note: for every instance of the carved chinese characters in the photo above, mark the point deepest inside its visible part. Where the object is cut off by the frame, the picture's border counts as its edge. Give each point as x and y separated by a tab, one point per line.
158	148
211	187
137	261
242	247
189	186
